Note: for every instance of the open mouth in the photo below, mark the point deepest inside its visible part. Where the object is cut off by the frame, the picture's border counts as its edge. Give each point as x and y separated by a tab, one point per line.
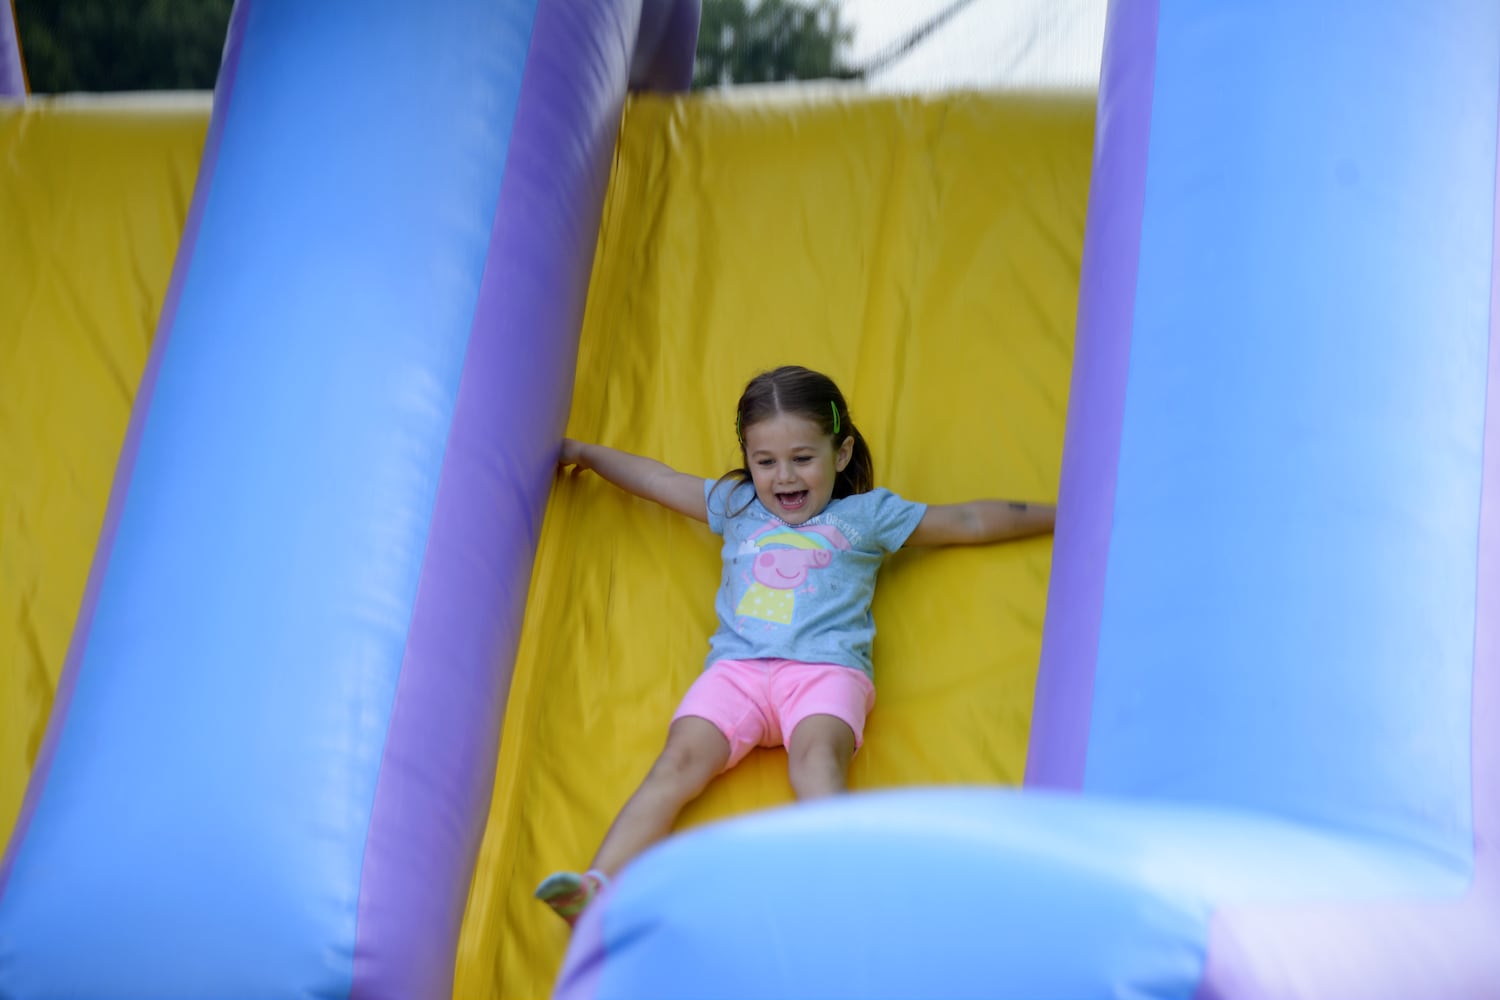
792	501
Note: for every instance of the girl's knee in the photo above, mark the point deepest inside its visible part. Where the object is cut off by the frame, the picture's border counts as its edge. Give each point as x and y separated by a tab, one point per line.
818	756
695	752
822	738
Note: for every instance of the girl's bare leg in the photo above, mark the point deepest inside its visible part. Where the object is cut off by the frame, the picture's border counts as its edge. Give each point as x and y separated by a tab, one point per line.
818	756
695	752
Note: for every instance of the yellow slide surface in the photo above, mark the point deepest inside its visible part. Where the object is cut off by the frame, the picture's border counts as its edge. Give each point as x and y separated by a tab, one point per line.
924	253
93	197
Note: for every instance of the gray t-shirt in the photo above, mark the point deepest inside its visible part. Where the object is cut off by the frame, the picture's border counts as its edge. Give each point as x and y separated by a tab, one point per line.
802	593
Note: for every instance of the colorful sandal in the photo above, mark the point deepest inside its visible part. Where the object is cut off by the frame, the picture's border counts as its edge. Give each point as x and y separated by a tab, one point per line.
569	893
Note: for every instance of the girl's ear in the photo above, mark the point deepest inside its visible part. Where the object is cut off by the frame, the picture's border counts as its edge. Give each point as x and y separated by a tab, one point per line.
846	452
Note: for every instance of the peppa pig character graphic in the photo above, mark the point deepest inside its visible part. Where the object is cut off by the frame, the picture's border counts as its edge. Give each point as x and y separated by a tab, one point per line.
784	558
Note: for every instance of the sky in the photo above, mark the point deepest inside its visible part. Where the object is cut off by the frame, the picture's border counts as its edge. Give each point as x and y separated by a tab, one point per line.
1008	44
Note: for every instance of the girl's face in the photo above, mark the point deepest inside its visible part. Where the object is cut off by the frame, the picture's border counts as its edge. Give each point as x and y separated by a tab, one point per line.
794	465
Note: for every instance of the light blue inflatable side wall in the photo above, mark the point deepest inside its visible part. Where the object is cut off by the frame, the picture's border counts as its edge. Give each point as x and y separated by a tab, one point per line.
1265	759
270	758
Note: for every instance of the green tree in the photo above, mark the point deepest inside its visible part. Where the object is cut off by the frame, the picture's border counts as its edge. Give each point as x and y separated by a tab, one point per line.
99	45
744	41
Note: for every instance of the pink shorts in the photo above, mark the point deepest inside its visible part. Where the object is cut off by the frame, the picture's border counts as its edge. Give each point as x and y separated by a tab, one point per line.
758	703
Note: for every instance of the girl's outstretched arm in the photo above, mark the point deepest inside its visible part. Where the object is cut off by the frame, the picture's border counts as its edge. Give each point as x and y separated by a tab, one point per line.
980	521
645	477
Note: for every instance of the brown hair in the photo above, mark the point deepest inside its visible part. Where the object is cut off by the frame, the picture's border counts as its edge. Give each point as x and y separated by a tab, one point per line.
813	396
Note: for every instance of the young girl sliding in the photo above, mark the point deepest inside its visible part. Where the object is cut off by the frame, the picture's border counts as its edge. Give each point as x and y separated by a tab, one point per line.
805	531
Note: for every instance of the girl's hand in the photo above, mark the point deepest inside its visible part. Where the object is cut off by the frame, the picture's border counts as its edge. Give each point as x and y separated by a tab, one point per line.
571	454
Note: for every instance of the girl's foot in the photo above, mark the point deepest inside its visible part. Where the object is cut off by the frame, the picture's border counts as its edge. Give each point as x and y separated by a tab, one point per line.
569	893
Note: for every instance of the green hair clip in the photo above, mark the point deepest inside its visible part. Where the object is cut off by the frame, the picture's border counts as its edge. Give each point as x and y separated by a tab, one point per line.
833	405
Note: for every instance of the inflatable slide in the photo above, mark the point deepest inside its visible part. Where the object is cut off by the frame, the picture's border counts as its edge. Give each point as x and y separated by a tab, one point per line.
1261	760
888	268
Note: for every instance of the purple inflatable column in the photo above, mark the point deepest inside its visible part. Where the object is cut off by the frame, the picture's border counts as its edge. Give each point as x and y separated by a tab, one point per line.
12	68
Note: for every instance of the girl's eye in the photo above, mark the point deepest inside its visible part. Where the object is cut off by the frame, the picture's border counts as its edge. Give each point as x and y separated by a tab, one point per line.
765	463
803	459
